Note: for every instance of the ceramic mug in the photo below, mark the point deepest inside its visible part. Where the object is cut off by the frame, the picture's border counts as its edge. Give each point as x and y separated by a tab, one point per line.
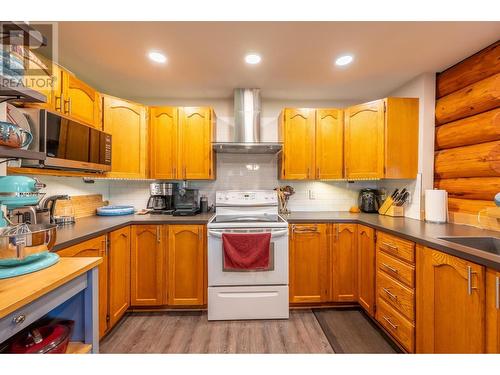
13	136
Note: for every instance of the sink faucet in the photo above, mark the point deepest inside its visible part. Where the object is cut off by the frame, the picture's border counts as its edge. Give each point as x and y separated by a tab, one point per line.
50	203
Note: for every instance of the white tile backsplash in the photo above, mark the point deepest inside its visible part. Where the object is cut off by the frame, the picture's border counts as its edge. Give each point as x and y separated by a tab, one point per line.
237	172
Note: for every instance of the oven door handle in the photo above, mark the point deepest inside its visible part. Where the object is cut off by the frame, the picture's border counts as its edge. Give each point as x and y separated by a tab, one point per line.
276	234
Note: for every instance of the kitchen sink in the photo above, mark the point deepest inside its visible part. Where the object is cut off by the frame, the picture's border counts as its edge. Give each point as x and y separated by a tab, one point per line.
488	244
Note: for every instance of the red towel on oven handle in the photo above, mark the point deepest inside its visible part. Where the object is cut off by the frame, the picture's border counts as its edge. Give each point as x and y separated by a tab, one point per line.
246	251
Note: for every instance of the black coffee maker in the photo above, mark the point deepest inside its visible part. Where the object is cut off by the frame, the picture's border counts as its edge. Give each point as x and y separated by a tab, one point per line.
161	200
369	200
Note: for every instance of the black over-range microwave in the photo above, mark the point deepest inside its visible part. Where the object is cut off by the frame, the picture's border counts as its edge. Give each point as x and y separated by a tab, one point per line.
67	143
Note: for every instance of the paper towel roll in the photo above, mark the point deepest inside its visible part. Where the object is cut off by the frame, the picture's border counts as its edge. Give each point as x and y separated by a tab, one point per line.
436	206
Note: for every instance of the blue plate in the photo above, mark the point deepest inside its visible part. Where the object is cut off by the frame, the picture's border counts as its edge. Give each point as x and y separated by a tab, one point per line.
115	210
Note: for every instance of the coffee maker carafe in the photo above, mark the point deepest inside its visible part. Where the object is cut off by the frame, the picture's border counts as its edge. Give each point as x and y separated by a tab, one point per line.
161	200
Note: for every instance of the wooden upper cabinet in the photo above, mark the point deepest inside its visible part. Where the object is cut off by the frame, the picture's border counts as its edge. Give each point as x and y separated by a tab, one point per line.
329	144
344	263
366	268
126	122
119	274
381	139
196	129
492	311
163	132
80	101
450	304
309	263
147	265
49	84
186	261
364	140
297	130
96	247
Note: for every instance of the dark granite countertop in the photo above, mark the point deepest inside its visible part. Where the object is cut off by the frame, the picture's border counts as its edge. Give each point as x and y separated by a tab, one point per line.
415	230
418	231
93	226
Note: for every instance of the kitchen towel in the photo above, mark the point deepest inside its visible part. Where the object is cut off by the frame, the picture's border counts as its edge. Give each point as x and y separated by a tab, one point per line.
246	251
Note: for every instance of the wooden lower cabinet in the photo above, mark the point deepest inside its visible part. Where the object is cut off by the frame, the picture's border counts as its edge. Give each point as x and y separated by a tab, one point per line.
492	311
147	265
96	247
309	274
344	263
119	274
450	304
187	279
366	268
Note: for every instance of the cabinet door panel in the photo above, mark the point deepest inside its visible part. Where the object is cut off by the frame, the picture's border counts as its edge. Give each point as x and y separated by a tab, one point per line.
345	266
80	101
163	142
147	265
186	265
329	144
309	263
366	268
298	144
95	247
450	303
492	311
126	122
119	274
364	140
196	130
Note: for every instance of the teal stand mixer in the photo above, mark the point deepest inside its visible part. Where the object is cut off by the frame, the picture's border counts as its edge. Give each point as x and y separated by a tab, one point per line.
24	248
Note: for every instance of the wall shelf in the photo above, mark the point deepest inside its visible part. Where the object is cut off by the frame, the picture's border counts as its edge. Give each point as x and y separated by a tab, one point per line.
18	153
19	93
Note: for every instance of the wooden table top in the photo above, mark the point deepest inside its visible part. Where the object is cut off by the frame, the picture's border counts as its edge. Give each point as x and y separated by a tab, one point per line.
21	290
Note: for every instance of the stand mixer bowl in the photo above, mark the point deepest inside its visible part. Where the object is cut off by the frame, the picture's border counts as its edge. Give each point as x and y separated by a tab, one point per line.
29	243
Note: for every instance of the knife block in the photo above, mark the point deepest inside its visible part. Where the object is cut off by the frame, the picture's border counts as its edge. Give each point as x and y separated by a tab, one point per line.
395	211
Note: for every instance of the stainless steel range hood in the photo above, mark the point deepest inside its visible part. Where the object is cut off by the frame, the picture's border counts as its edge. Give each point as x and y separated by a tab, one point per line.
246	135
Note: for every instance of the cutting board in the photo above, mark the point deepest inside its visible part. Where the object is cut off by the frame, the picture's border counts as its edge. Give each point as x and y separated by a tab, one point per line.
80	205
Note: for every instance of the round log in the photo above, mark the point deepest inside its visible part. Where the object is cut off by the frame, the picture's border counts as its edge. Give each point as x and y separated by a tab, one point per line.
484	127
481	160
471	100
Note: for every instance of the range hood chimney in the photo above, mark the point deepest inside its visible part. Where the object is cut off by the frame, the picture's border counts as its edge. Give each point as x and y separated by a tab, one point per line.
246	136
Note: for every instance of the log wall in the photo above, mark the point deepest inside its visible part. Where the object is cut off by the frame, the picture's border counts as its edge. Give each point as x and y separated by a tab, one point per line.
467	157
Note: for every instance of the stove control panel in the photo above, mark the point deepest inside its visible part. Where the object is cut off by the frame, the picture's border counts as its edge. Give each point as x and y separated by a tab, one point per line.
246	198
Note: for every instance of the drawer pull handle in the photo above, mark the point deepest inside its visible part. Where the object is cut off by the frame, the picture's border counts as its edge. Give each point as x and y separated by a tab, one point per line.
390	247
19	319
393	296
390	268
394	326
296	229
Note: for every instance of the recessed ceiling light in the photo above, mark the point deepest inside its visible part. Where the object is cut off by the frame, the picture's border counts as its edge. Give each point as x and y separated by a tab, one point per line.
252	58
344	60
157	57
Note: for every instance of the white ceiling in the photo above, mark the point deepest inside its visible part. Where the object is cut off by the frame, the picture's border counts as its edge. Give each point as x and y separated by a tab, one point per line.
206	58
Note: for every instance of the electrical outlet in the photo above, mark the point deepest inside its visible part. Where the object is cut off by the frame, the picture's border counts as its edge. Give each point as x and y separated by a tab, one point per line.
312	194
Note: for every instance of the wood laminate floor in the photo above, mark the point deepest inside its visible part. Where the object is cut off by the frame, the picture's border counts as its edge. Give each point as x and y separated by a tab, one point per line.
191	332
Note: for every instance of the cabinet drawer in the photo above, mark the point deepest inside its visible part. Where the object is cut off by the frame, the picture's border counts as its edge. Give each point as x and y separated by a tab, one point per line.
399	328
396	246
396	269
396	295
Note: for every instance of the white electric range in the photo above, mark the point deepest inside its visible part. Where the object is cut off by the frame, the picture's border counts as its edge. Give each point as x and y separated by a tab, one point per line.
235	295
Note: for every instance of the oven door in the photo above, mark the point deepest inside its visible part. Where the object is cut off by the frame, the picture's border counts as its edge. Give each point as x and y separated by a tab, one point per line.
276	275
